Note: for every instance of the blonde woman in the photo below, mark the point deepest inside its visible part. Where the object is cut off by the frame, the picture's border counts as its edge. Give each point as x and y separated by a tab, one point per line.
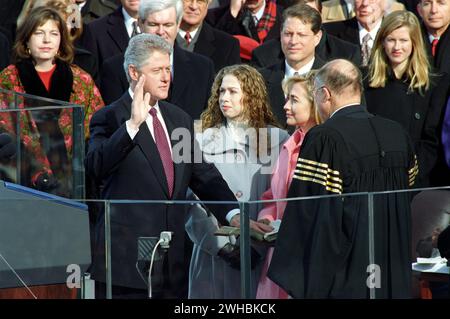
400	86
301	114
240	136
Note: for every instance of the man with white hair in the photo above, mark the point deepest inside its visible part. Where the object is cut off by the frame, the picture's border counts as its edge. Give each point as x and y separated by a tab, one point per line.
132	154
363	28
197	36
191	74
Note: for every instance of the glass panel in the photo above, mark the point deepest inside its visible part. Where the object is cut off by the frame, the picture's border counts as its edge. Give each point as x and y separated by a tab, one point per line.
430	214
44	244
48	137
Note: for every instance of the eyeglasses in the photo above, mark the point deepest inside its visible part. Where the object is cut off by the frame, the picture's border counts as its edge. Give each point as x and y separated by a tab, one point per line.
201	3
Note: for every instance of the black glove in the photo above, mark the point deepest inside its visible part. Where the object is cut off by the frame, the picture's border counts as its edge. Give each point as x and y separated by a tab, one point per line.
231	254
46	182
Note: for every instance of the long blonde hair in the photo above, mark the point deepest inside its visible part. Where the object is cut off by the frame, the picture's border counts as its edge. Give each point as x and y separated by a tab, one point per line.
418	68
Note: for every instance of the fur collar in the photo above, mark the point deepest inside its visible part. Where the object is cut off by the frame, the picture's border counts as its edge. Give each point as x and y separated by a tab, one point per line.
60	83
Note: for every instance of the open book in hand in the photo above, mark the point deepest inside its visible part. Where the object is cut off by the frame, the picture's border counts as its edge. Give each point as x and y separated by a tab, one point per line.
235	231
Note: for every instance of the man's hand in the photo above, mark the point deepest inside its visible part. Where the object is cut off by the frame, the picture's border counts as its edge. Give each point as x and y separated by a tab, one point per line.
260	227
140	106
435	236
236	6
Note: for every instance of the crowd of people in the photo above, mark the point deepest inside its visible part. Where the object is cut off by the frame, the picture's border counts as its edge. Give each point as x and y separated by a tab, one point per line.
281	99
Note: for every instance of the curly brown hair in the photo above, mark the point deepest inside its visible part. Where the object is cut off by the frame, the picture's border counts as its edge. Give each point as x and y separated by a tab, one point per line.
256	106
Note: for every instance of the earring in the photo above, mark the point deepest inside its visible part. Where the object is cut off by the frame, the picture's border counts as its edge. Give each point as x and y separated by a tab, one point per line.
29	51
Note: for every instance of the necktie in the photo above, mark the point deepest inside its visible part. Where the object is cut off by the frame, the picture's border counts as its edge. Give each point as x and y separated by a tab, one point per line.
296	73
187	37
433	46
163	149
255	20
365	50
135	29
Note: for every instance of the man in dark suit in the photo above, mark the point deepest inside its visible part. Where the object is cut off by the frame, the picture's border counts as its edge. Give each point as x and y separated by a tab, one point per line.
436	35
362	29
9	12
192	74
329	47
135	152
109	35
248	18
436	20
196	36
300	34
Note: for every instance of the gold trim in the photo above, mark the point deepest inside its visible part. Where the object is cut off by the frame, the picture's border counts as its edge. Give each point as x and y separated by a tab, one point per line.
324	165
319	170
303	178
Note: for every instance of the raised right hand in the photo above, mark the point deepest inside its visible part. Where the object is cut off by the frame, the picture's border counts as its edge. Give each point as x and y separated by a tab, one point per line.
236	6
140	105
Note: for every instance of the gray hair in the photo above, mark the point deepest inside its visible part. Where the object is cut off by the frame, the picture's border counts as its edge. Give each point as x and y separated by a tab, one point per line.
147	7
140	48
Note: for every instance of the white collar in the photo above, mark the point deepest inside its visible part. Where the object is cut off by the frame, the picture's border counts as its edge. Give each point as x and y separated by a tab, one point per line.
128	21
432	37
342	108
260	12
373	32
289	71
192	33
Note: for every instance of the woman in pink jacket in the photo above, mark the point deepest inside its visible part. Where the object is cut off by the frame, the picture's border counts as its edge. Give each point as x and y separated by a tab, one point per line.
301	113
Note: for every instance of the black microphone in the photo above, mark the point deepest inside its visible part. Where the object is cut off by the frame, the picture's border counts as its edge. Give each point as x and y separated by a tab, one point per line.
7	146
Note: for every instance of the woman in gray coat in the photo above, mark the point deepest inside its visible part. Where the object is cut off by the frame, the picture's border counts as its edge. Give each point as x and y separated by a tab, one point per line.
239	134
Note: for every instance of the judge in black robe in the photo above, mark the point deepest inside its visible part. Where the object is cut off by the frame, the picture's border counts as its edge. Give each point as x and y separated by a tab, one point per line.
322	250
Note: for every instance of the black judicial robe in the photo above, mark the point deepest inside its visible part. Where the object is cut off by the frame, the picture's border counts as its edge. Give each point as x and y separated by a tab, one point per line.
322	250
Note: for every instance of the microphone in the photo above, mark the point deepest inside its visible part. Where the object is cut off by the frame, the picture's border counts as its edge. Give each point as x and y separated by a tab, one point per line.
7	146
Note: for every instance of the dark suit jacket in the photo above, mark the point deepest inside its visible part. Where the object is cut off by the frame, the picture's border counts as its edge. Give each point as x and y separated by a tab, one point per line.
222	19
132	169
190	89
346	30
329	48
94	9
4	51
106	37
274	75
441	61
9	12
220	47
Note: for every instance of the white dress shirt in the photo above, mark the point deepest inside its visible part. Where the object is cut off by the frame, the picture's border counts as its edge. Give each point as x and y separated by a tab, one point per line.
257	16
128	22
149	120
290	71
373	33
183	33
